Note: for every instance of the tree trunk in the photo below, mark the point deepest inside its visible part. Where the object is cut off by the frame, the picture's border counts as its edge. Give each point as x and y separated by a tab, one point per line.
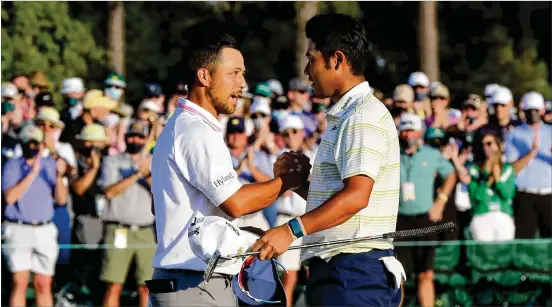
116	28
428	39
304	11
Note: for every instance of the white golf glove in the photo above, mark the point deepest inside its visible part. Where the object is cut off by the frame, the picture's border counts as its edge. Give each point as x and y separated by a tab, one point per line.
395	267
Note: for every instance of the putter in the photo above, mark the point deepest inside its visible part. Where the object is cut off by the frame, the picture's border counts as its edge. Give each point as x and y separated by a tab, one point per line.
402	234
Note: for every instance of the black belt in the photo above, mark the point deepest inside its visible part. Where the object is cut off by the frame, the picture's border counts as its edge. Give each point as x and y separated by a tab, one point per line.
180	271
131	227
31	223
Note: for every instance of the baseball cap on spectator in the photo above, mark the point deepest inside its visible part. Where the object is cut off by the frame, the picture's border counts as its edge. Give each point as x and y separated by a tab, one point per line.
532	101
235	124
149	105
115	79
490	89
137	128
50	115
260	105
501	95
548	106
418	79
96	101
275	86
435	136
39	79
92	132
31	133
473	100
44	99
262	89
291	122
439	90
403	92
410	121
9	90
153	90
258	283
72	85
298	84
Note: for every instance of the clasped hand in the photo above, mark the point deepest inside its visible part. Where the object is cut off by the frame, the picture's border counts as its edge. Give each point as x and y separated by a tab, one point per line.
293	167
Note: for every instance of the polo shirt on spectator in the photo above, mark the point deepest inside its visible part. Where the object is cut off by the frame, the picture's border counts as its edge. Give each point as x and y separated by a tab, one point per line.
133	206
192	175
361	139
420	169
536	178
37	203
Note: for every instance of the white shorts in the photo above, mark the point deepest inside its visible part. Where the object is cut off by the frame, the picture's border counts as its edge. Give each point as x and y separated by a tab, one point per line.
493	227
291	260
31	248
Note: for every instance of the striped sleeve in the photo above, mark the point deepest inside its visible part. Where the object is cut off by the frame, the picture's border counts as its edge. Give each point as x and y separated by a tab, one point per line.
361	147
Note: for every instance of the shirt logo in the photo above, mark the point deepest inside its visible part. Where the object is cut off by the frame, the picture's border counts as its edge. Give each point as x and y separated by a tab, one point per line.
334	128
220	182
346	103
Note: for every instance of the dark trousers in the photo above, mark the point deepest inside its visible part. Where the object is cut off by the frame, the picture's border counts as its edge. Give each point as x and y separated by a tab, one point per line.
530	211
352	280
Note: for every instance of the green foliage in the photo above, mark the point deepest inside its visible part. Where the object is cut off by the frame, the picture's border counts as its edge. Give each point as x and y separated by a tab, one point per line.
350	8
517	67
42	36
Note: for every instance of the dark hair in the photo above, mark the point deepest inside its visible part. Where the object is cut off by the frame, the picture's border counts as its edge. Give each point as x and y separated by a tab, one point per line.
478	152
205	52
333	32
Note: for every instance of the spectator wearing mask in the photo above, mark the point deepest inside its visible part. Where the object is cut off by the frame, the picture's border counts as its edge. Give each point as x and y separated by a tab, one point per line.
251	165
528	148
420	164
441	116
472	117
89	205
290	205
403	98
115	85
500	121
32	185
73	91
489	91
48	120
420	84
491	187
154	92
128	218
148	113
261	119
299	104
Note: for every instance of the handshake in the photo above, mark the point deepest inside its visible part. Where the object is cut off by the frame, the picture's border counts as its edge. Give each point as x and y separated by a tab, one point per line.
293	168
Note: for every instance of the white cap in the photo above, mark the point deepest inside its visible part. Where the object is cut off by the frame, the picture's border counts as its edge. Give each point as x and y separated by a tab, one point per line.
9	90
532	101
214	234
490	89
418	78
291	122
410	122
150	105
275	86
260	105
501	95
72	85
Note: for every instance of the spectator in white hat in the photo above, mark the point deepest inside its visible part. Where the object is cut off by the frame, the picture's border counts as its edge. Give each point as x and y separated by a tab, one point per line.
261	117
501	102
73	93
528	147
419	82
276	88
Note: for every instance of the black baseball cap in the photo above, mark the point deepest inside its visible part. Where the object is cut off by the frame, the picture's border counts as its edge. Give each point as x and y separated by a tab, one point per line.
153	90
236	124
44	99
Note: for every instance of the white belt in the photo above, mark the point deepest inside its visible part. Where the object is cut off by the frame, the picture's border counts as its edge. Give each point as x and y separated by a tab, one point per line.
543	191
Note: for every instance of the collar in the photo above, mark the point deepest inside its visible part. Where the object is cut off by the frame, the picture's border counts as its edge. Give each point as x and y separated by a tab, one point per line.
193	108
339	108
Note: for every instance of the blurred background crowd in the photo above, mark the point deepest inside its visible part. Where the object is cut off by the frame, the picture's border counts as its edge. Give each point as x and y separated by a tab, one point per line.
76	158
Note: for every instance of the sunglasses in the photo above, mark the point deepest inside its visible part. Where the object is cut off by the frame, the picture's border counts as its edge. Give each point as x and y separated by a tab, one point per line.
289	132
258	115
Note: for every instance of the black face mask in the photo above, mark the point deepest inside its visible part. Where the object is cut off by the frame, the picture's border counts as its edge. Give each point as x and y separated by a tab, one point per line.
28	152
134	148
532	117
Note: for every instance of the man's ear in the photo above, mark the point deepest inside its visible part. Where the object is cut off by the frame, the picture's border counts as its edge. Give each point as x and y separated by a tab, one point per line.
204	76
339	59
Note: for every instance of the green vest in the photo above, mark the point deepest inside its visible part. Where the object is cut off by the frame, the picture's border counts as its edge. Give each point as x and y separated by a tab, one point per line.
496	197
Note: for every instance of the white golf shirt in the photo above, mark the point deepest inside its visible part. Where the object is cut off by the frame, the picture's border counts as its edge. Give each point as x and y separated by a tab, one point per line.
192	175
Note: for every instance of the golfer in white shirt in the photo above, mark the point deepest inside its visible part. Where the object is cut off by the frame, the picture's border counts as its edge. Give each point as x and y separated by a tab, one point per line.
193	176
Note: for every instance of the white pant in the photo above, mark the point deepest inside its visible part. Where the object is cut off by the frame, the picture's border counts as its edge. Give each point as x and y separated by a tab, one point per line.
291	260
493	227
31	248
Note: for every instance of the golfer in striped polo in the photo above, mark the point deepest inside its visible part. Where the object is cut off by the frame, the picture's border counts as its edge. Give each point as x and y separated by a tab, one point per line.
354	189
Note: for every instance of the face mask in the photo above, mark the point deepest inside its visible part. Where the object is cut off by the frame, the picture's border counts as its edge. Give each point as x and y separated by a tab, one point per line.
113	92
7	107
532	117
408	143
72	101
471	119
134	148
28	152
420	96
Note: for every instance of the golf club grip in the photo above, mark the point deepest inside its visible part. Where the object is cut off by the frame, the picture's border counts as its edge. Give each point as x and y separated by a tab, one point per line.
420	232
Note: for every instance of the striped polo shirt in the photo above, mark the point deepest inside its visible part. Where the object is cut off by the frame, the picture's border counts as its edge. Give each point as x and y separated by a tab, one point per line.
361	139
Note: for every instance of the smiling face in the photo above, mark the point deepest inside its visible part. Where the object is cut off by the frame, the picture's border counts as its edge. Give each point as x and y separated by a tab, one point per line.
319	72
226	81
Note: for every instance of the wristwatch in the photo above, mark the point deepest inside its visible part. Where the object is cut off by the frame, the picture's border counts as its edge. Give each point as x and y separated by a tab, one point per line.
296	228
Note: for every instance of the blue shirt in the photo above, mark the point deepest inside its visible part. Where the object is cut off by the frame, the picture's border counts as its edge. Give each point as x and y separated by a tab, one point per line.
308	119
538	173
37	203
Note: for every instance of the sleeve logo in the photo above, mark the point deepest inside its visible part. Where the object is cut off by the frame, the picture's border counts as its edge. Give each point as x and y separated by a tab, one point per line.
220	182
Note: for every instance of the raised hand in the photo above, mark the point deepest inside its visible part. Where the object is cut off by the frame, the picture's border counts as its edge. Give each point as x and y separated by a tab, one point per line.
61	167
291	163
